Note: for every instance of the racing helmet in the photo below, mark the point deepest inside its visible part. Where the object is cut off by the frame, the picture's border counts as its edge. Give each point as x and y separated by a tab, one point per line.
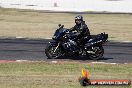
78	19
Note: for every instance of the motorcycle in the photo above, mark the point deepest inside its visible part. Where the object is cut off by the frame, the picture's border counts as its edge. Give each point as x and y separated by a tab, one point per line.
63	44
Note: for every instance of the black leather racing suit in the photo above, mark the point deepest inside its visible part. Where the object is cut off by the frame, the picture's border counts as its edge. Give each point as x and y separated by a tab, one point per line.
82	31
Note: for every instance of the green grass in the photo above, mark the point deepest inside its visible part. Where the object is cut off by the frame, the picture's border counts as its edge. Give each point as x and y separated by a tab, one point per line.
59	75
38	24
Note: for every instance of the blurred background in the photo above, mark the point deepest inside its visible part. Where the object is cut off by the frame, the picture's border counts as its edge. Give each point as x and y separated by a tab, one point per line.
39	18
123	6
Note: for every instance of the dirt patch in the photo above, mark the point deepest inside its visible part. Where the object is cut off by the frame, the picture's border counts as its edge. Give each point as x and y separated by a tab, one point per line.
15	23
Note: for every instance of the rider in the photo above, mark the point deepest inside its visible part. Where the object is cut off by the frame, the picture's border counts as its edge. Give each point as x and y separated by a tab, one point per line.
81	29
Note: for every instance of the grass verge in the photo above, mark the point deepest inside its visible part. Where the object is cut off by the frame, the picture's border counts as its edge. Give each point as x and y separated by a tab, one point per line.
59	75
39	24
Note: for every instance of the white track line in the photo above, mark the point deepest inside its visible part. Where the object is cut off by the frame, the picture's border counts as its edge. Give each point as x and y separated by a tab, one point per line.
127	41
48	38
19	37
103	63
22	60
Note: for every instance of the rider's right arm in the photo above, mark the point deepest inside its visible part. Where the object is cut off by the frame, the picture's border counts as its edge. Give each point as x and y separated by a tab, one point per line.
72	29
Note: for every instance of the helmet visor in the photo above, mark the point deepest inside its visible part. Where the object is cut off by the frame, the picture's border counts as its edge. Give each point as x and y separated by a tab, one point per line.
77	21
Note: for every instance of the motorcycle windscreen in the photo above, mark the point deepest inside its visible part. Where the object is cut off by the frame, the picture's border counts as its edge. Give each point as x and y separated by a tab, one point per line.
58	33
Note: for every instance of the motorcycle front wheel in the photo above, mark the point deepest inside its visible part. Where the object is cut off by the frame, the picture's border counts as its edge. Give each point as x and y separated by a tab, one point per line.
53	52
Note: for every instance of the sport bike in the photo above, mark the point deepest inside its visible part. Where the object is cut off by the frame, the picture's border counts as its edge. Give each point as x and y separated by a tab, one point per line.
64	45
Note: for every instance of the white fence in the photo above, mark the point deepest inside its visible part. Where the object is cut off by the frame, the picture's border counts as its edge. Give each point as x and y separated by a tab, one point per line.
71	5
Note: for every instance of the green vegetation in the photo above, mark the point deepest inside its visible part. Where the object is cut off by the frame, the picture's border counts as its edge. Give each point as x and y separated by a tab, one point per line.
58	75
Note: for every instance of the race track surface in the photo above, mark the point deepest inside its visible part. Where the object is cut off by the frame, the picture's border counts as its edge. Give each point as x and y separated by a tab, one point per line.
23	49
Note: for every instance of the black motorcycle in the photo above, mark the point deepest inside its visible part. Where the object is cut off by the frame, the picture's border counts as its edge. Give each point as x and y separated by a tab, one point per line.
64	45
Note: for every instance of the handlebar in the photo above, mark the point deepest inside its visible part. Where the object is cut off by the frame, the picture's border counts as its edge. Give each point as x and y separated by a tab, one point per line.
60	26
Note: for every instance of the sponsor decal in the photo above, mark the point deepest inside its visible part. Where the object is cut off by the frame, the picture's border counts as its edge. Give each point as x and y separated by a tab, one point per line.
85	80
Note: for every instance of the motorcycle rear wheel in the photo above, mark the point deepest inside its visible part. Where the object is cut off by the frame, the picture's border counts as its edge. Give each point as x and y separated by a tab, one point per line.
99	51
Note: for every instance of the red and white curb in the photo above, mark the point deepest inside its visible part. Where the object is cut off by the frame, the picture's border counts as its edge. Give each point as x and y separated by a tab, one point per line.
10	61
7	61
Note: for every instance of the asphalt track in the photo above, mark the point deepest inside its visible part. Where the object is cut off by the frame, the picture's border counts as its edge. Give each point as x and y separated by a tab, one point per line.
24	49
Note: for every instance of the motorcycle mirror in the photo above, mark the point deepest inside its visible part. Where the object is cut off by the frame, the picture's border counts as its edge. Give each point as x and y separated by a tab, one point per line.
59	25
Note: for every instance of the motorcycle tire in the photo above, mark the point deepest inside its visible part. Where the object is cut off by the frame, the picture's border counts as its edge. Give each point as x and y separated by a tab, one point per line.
49	51
98	54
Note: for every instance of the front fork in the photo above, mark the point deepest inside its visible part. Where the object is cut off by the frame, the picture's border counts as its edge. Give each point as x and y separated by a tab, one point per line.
57	47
